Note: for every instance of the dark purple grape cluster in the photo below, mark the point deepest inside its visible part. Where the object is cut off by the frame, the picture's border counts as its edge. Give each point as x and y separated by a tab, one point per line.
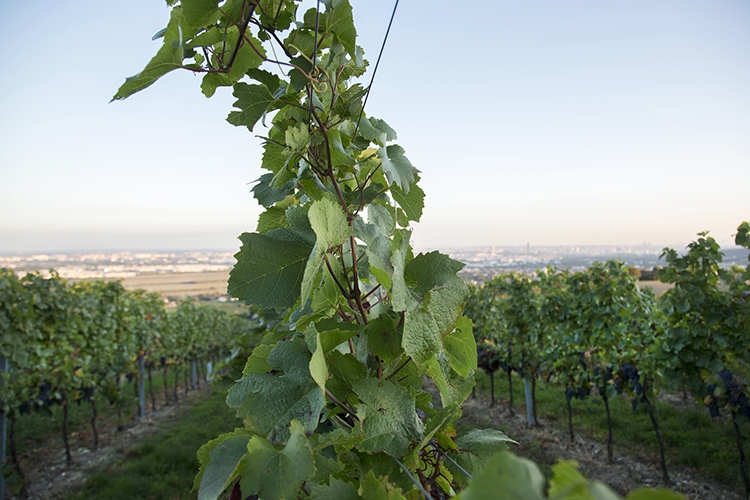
579	394
488	360
632	378
86	394
735	393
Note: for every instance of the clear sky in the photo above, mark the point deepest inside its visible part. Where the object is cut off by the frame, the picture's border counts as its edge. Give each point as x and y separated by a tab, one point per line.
551	122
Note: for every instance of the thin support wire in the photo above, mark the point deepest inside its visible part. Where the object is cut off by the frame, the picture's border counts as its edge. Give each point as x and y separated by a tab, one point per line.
375	70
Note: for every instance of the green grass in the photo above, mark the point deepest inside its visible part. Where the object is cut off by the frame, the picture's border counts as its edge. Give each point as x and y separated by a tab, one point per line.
164	467
691	438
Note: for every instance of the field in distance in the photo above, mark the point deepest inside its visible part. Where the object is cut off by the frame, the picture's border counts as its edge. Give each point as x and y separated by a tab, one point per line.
214	284
178	285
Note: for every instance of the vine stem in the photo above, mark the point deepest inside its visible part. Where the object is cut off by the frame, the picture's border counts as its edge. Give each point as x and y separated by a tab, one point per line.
740	448
655	423
347	294
355	280
400	367
341	405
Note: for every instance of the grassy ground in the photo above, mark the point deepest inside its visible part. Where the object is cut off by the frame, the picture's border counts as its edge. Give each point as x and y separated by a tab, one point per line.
691	438
164	467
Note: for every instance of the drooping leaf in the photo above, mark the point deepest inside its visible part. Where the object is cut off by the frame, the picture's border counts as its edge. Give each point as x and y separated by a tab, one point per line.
219	459
341	23
431	270
506	477
378	250
401	297
256	362
269	269
426	325
398	169
276	474
168	58
253	101
412	202
334	333
484	442
453	387
461	347
387	417
318	365
269	402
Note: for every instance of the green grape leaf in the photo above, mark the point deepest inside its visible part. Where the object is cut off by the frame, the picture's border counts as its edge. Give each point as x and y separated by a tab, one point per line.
345	369
327	296
567	482
387	417
269	402
254	101
484	442
336	489
461	347
412	202
383	338
333	333
398	169
340	22
274	158
443	418
275	474
431	270
199	12
401	298
268	194
318	366
273	218
453	387
328	220
506	477
269	269
168	58
312	276
372	488
219	459
378	250
297	138
426	325
256	362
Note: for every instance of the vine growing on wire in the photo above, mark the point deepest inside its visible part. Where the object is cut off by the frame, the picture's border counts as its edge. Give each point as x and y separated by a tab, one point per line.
333	398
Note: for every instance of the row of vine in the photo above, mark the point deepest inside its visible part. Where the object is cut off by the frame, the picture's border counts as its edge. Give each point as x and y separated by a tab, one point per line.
63	343
596	331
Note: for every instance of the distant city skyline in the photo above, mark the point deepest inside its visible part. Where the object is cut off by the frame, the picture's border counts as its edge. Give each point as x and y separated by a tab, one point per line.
554	123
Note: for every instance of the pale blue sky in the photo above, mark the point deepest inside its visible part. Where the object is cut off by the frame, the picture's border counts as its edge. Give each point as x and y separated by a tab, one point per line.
576	122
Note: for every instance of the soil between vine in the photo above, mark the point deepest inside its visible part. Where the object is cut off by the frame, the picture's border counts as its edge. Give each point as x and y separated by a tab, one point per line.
545	444
48	477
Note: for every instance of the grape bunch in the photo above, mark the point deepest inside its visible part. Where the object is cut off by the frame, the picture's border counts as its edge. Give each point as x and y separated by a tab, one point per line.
579	394
630	375
735	393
